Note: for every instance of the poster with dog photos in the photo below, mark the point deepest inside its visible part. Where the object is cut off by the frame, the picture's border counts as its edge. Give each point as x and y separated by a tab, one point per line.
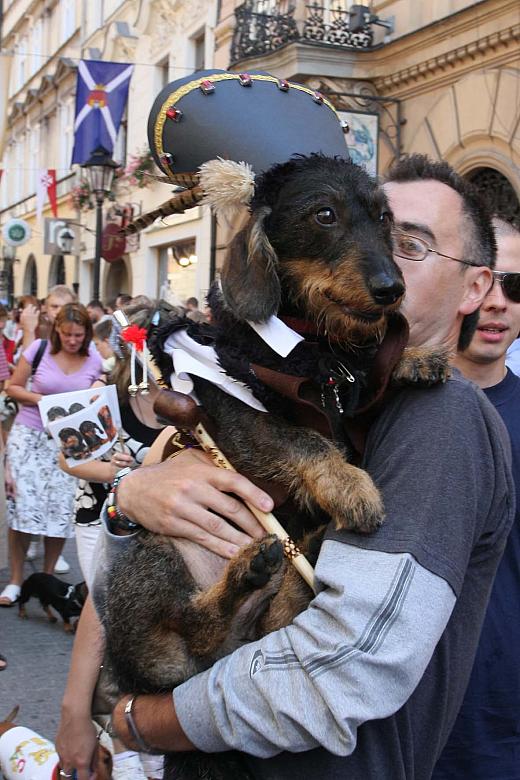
91	431
54	407
362	138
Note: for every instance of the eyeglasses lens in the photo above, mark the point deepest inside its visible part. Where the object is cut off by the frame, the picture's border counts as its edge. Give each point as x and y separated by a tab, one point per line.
511	287
408	247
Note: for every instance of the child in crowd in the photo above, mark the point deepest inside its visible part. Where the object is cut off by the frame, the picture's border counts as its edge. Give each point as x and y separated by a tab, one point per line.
102	331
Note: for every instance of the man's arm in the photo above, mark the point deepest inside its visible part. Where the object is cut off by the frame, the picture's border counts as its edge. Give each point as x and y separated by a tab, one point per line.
355	655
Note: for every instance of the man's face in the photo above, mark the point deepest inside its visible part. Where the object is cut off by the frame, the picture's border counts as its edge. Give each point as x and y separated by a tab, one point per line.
94	313
499	322
439	291
54	304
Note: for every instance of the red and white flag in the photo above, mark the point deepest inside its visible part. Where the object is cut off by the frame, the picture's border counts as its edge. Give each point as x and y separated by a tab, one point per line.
46	189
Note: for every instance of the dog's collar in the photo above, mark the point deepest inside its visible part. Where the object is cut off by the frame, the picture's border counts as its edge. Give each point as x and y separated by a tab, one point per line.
302	327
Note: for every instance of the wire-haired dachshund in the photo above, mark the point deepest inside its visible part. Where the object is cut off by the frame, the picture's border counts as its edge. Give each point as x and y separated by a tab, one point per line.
316	252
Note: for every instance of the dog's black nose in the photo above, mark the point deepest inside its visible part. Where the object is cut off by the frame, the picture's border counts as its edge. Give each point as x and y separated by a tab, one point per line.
385	289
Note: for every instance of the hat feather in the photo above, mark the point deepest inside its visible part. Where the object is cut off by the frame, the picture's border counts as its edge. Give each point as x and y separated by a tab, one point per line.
228	186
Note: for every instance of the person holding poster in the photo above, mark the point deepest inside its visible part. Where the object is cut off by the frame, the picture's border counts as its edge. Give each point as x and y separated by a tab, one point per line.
41	496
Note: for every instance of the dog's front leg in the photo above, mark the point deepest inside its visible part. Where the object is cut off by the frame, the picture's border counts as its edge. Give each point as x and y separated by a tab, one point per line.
313	469
208	618
422	366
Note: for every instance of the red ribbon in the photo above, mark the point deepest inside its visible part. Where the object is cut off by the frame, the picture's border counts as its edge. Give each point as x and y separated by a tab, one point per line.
133	334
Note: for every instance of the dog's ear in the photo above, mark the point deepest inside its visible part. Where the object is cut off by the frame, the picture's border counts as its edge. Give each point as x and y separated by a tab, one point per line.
250	282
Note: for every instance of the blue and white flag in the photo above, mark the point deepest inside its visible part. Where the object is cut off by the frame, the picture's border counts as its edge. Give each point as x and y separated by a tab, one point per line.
101	95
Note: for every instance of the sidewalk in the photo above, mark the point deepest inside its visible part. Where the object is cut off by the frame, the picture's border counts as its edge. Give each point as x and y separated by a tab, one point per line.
38	654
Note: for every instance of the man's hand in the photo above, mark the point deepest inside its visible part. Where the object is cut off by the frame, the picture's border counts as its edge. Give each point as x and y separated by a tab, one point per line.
187	497
29	319
155	720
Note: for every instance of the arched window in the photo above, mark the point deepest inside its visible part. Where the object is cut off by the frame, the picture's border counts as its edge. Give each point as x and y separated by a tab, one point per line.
497	192
57	271
30	278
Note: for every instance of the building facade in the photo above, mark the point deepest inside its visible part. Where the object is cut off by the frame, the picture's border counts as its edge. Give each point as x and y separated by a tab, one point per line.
42	43
441	77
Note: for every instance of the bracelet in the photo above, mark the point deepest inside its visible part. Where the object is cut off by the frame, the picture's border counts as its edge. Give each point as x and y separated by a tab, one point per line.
116	517
130	722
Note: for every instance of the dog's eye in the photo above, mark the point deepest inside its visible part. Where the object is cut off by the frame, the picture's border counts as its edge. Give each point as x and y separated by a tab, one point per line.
385	218
325	217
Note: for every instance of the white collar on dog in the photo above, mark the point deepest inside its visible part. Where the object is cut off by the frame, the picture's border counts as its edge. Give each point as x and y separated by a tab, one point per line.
277	335
189	357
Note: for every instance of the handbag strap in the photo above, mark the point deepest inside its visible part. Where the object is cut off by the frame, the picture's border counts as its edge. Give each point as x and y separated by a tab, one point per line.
37	358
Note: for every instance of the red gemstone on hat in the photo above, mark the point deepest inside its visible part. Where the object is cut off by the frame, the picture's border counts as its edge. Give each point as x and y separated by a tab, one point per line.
318	98
166	159
174	113
245	79
207	86
284	85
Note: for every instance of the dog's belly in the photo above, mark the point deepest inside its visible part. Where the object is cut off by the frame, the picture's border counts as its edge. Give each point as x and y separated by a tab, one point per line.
205	567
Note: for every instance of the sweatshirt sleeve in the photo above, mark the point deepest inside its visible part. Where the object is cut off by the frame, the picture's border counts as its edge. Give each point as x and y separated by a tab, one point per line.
342	662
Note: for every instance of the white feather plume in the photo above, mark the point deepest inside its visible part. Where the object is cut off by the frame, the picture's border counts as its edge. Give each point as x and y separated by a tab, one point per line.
228	186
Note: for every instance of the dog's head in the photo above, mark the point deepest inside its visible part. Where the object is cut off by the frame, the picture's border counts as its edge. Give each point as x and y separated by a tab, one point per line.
317	246
80	593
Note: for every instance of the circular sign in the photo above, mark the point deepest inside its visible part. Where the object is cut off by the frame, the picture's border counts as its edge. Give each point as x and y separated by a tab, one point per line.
16	232
113	242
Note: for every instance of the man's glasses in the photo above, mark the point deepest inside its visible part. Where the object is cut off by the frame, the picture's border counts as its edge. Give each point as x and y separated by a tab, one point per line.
510	284
416	249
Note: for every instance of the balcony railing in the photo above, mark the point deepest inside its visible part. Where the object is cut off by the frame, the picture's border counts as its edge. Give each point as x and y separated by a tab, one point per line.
263	26
329	25
258	33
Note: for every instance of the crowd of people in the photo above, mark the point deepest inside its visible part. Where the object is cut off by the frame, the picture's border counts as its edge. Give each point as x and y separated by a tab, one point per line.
56	346
406	665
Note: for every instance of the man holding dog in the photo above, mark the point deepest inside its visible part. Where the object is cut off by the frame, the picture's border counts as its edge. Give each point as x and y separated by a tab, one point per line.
485	741
375	670
373	673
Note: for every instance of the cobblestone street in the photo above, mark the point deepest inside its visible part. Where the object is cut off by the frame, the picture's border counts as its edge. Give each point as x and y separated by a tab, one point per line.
38	654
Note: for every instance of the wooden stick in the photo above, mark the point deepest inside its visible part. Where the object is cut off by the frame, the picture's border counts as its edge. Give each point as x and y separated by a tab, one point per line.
267	519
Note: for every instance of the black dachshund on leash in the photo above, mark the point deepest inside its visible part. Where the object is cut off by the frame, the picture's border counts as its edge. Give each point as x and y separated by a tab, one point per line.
66	599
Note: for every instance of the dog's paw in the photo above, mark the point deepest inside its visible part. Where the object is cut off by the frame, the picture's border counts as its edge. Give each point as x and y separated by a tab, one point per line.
422	366
347	494
255	565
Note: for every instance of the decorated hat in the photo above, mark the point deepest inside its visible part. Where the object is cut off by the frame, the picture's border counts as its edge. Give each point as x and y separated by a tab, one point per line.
203	126
245	117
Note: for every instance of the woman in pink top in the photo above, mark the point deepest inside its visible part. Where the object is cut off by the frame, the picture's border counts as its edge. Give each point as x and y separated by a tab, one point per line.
42	496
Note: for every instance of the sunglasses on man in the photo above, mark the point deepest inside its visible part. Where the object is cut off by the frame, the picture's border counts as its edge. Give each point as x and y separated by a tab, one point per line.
510	284
417	249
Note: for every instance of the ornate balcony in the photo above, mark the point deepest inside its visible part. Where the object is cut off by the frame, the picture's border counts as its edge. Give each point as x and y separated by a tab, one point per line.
263	26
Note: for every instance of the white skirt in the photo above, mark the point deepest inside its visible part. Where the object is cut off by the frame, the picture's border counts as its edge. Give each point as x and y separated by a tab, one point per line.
44	494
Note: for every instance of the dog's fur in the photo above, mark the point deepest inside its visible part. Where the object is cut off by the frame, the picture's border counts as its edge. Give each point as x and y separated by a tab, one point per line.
65	598
317	248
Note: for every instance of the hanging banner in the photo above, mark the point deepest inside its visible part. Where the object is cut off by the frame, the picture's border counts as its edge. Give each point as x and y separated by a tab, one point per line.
46	189
101	97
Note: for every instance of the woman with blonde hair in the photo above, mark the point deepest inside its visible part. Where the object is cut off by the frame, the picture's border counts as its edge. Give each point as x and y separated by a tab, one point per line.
40	495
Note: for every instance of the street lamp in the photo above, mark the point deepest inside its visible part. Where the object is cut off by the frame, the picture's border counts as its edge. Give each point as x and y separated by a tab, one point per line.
100	169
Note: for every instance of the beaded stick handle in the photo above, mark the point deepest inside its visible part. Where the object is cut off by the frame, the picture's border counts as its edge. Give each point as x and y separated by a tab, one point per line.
266	519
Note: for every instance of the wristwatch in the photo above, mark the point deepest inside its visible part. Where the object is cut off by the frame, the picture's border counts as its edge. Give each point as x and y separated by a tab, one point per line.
117	519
